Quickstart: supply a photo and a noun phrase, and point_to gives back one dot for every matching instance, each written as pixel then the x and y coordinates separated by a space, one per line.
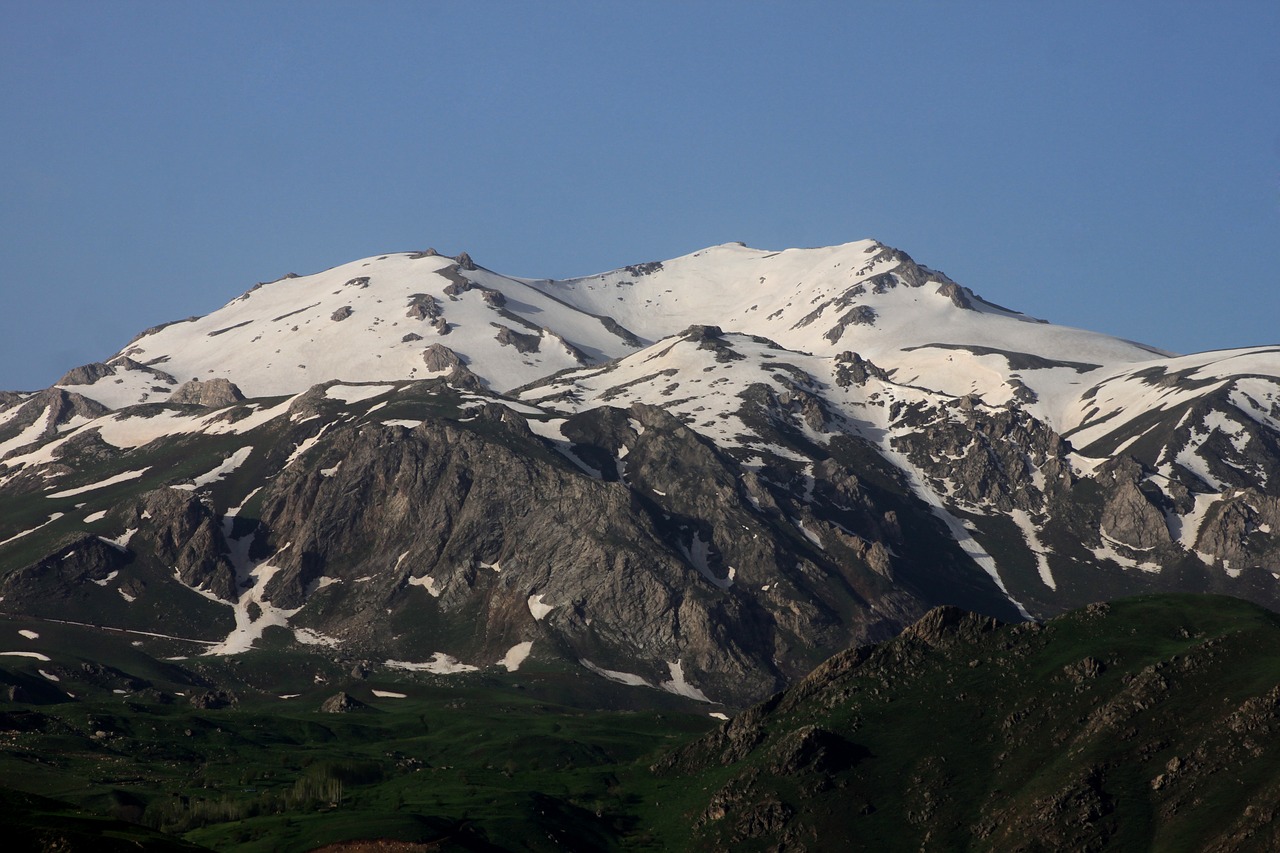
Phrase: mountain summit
pixel 702 475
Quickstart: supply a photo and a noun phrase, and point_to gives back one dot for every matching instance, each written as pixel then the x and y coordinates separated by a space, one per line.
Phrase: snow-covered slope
pixel 375 319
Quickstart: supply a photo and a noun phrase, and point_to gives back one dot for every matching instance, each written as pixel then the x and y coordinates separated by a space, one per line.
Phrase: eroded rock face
pixel 1131 519
pixel 1002 458
pixel 183 533
pixel 1240 531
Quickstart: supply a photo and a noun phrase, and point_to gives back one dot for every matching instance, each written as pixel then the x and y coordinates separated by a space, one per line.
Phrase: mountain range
pixel 703 475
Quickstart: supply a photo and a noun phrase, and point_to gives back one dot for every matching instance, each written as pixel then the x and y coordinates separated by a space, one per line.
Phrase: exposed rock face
pixel 516 543
pixel 1238 531
pixel 341 314
pixel 956 294
pixel 126 363
pixel 859 315
pixel 342 703
pixel 87 374
pixel 1002 458
pixel 853 369
pixel 210 393
pixel 1131 519
pixel 439 357
pixel 423 306
pixel 465 502
pixel 184 534
pixel 465 262
pixel 522 342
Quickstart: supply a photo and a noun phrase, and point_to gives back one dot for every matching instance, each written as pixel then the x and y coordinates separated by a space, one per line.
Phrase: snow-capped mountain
pixel 702 474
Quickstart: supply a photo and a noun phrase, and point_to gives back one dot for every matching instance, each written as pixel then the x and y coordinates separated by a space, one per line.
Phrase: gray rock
pixel 210 393
pixel 342 703
pixel 522 342
pixel 438 357
pixel 87 374
pixel 423 306
pixel 341 314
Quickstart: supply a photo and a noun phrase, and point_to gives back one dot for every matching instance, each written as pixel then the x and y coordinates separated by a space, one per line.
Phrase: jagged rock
pixel 465 262
pixel 341 314
pixel 185 534
pixel 1130 519
pixel 439 357
pixel 956 294
pixel 859 315
pixel 621 331
pixel 126 363
pixel 522 342
pixel 441 327
pixel 948 626
pixel 853 369
pixel 342 703
pixel 360 282
pixel 87 374
pixel 423 306
pixel 210 393
pixel 1240 531
pixel 212 700
pixel 703 333
pixel 648 268
pixel 410 338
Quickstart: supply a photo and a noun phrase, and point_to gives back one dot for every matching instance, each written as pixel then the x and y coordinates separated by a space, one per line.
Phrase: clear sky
pixel 1109 165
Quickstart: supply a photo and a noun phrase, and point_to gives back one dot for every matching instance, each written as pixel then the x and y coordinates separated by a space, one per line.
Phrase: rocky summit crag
pixel 703 475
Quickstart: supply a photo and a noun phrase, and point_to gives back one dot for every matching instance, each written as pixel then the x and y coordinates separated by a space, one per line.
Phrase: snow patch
pixel 122 477
pixel 389 694
pixel 516 655
pixel 1031 534
pixel 537 608
pixel 308 637
pixel 428 583
pixel 679 686
pixel 228 465
pixel 613 675
pixel 32 655
pixel 52 518
pixel 30 635
pixel 356 393
pixel 440 664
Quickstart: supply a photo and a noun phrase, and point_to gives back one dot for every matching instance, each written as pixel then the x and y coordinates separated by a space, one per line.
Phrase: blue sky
pixel 1109 165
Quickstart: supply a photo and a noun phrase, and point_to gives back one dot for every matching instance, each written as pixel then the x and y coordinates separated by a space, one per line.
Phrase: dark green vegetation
pixel 208 751
pixel 1150 723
